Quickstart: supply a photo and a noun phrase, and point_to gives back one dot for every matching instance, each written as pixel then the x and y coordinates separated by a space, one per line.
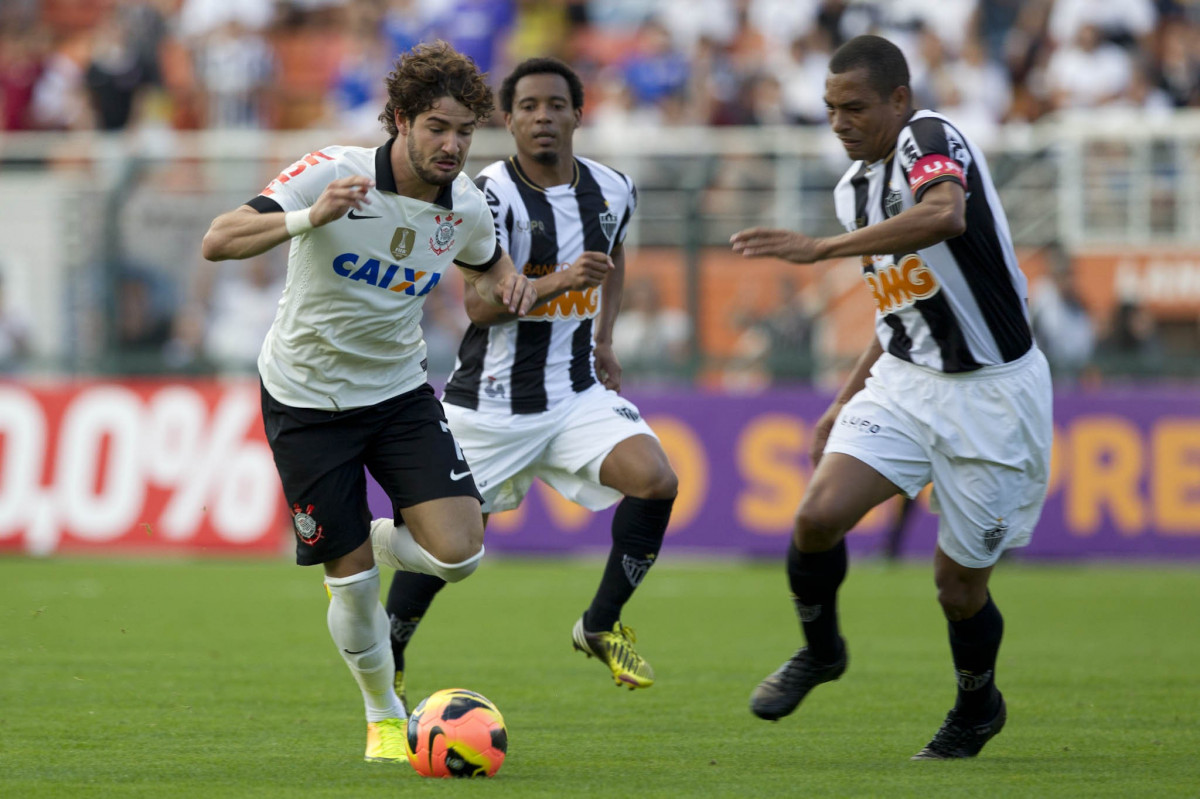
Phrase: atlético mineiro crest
pixel 993 537
pixel 627 412
pixel 306 527
pixel 969 681
pixel 636 568
pixel 806 612
pixel 893 203
pixel 608 224
pixel 403 629
pixel 443 238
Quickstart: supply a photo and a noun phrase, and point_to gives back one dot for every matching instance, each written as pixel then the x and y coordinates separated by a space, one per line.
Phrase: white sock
pixel 359 626
pixel 394 546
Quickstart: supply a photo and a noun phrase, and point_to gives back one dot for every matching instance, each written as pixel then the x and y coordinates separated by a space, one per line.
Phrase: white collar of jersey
pixel 385 179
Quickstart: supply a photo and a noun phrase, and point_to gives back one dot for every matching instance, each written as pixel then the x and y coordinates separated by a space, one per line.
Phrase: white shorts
pixel 564 446
pixel 983 438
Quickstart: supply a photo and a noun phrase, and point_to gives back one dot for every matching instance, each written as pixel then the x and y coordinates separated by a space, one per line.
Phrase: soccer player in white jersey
pixel 371 232
pixel 952 391
pixel 538 397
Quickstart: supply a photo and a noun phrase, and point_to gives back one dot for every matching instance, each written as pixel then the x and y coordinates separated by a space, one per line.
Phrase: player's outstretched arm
pixel 940 214
pixel 761 242
pixel 501 288
pixel 244 232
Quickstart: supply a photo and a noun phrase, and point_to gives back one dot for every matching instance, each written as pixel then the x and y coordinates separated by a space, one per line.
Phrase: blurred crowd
pixel 285 64
pixel 118 65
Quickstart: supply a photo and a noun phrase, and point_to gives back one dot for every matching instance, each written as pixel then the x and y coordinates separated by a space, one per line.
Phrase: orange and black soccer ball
pixel 456 733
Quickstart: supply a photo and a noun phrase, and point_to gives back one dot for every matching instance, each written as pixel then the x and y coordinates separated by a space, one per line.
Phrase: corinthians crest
pixel 305 525
pixel 443 238
pixel 402 242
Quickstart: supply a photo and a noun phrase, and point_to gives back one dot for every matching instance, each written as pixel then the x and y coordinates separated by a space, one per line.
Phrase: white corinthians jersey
pixel 528 365
pixel 960 304
pixel 347 333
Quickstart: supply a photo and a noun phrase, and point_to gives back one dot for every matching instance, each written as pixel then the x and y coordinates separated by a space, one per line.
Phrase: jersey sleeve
pixel 502 214
pixel 299 185
pixel 629 209
pixel 932 151
pixel 482 247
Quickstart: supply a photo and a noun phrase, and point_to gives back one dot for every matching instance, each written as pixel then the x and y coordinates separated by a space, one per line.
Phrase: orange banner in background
pixel 1164 281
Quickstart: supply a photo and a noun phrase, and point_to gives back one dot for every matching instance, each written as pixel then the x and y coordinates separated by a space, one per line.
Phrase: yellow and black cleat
pixel 615 649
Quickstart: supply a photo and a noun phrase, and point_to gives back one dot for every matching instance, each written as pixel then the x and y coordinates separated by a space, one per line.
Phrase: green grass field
pixel 171 678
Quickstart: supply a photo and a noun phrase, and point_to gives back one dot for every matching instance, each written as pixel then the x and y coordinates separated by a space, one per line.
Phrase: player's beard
pixel 546 157
pixel 431 176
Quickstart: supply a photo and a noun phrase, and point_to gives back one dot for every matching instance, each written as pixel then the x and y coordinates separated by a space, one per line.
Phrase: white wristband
pixel 298 222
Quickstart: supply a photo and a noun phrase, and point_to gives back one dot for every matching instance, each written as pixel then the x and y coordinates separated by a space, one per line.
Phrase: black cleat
pixel 780 694
pixel 400 690
pixel 957 739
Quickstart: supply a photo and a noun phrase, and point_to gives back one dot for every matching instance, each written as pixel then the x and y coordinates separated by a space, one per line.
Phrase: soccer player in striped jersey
pixel 538 397
pixel 371 231
pixel 952 390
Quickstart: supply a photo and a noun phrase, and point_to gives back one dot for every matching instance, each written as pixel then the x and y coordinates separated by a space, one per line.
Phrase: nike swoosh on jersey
pixel 459 475
pixel 352 215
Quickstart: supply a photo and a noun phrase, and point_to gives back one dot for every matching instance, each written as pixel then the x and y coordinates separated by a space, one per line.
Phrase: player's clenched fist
pixel 517 293
pixel 589 270
pixel 339 197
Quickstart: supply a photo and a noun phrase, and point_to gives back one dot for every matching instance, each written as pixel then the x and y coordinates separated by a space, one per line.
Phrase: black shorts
pixel 404 442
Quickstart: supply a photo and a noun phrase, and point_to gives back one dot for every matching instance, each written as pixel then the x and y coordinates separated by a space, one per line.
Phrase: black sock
pixel 814 578
pixel 974 643
pixel 408 599
pixel 638 527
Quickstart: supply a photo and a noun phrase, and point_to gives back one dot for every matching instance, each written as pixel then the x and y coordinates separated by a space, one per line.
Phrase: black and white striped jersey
pixel 960 304
pixel 531 364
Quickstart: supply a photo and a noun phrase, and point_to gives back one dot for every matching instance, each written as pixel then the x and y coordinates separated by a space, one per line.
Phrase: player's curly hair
pixel 428 72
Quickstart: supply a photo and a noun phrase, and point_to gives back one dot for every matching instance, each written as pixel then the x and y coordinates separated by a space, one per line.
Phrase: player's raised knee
pixel 663 484
pixel 455 558
pixel 460 568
